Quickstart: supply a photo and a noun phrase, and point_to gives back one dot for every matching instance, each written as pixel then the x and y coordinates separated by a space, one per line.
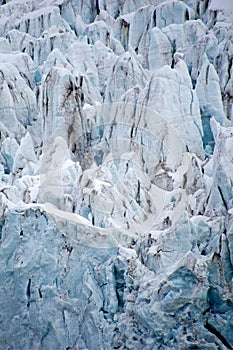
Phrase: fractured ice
pixel 116 173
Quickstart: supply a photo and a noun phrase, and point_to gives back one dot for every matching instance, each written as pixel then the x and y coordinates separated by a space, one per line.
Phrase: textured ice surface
pixel 116 173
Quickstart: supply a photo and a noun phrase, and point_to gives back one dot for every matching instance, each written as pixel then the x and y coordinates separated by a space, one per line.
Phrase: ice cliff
pixel 116 174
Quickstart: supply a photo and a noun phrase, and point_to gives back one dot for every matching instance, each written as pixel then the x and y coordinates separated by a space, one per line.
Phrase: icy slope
pixel 116 173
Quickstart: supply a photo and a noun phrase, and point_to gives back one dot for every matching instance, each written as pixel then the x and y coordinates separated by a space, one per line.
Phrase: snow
pixel 220 5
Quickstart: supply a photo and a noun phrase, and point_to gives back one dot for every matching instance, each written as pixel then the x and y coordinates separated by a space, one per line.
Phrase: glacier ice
pixel 116 209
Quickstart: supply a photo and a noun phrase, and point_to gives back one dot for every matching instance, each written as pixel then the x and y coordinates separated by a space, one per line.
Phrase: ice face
pixel 116 208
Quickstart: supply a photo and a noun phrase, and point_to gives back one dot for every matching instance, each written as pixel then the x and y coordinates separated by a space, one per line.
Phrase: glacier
pixel 116 174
